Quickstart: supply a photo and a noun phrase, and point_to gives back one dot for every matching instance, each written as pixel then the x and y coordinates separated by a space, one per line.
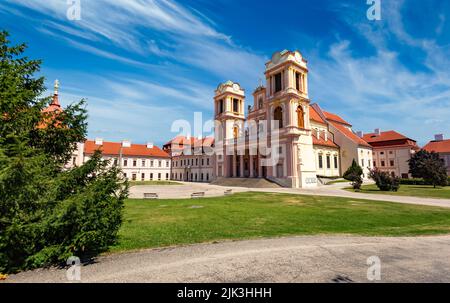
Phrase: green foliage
pixel 429 167
pixel 353 174
pixel 48 213
pixel 384 181
pixel 413 181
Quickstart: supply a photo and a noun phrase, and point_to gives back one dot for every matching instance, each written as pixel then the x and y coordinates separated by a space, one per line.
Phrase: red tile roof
pixel 349 134
pixel 321 141
pixel 113 148
pixel 182 140
pixel 438 146
pixel 313 115
pixel 335 118
pixel 384 136
pixel 390 139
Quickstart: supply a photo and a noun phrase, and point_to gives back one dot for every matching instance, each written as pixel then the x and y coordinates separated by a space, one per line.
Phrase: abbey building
pixel 309 142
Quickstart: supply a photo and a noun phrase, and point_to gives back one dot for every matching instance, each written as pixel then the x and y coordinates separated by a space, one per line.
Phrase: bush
pixel 384 181
pixel 353 174
pixel 413 181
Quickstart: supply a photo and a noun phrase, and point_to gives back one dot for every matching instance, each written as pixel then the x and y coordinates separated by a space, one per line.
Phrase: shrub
pixel 353 174
pixel 413 181
pixel 384 181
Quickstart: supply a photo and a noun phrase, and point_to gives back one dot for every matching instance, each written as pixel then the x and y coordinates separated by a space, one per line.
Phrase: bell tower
pixel 229 114
pixel 288 106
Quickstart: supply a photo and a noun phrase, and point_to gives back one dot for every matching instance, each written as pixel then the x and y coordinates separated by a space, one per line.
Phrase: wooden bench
pixel 151 196
pixel 228 192
pixel 200 194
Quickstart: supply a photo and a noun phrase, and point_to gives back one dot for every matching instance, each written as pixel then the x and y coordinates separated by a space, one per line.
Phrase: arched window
pixel 278 116
pixel 260 103
pixel 235 132
pixel 300 117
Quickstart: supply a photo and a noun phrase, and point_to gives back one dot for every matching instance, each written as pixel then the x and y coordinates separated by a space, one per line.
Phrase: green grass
pixel 134 183
pixel 424 191
pixel 158 223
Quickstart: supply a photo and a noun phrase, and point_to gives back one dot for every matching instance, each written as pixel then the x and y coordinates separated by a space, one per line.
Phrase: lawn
pixel 134 183
pixel 424 191
pixel 158 223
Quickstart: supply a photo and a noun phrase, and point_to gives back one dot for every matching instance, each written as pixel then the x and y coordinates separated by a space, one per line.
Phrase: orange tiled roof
pixel 384 136
pixel 182 141
pixel 321 141
pixel 438 146
pixel 349 134
pixel 335 118
pixel 313 115
pixel 113 148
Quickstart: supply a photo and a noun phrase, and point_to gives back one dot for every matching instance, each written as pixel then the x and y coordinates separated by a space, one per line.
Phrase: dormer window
pixel 278 82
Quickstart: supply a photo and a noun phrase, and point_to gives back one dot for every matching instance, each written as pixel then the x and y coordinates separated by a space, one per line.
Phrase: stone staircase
pixel 245 182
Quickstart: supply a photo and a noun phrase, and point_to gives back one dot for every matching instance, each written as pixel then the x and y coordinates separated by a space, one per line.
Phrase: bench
pixel 228 192
pixel 200 194
pixel 151 196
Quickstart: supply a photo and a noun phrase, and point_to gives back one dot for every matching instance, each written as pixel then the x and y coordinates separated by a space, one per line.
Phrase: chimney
pixel 360 134
pixel 149 145
pixel 98 141
pixel 126 143
pixel 377 132
pixel 439 137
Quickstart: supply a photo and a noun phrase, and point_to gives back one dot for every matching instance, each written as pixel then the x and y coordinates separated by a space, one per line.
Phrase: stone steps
pixel 245 182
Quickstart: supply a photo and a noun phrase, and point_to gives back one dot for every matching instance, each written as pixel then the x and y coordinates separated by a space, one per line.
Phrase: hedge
pixel 417 181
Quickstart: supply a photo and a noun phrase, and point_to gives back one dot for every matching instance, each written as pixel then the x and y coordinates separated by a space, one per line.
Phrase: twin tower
pixel 283 149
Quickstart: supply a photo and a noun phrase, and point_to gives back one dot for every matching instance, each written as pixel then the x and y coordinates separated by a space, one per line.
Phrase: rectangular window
pixel 167 164
pixel 203 162
pixel 159 163
pixel 125 175
pixel 362 162
pixel 335 162
pixel 201 177
pixel 74 161
pixel 196 161
pixel 151 163
pixel 235 105
pixel 167 176
pixel 115 161
pixel 151 176
pixel 207 177
pixel 159 176
pixel 134 163
pixel 143 176
pixel 143 163
pixel 320 161
pixel 207 161
pixel 278 82
pixel 133 177
pixel 382 164
pixel 328 162
pixel 125 162
pixel 374 164
pixel 392 162
pixel 220 106
pixel 298 80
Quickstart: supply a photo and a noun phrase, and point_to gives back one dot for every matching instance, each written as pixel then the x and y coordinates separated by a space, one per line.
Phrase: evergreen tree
pixel 429 166
pixel 354 173
pixel 47 213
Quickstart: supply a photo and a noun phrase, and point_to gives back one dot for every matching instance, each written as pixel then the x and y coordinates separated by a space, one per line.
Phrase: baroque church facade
pixel 284 137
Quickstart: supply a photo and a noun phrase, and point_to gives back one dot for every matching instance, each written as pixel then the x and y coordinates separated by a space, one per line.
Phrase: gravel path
pixel 291 259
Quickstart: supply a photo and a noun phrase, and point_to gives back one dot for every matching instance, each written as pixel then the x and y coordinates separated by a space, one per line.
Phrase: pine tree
pixel 48 213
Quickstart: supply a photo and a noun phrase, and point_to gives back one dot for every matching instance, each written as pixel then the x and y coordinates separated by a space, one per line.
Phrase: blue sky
pixel 144 63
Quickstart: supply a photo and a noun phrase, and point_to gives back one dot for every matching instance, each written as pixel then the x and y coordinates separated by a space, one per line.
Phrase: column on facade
pixel 251 167
pixel 241 168
pixel 259 164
